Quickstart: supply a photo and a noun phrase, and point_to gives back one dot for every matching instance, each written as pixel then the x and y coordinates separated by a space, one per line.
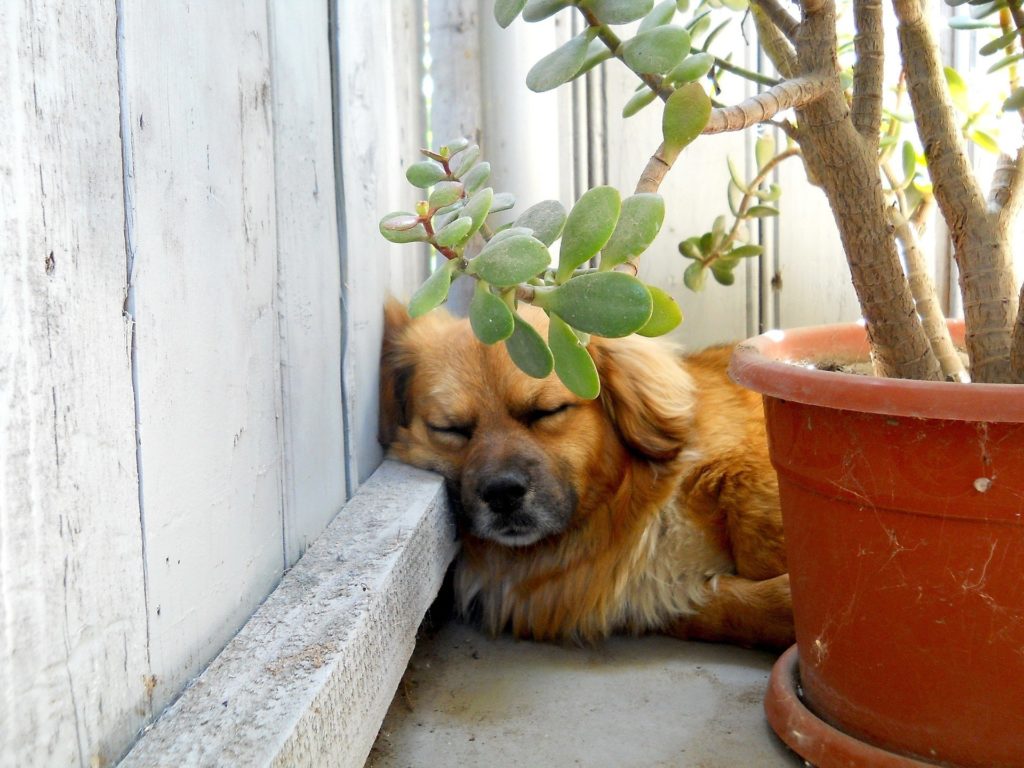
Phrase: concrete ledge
pixel 308 679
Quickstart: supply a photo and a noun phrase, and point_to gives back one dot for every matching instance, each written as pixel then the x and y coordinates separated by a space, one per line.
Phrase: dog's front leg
pixel 741 611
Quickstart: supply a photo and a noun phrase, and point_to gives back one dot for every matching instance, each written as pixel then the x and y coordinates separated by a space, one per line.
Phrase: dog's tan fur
pixel 675 526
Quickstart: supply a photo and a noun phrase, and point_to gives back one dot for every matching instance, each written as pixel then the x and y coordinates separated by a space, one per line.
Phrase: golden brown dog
pixel 653 508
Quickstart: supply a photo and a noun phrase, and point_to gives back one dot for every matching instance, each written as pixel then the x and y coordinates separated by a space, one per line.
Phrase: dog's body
pixel 653 508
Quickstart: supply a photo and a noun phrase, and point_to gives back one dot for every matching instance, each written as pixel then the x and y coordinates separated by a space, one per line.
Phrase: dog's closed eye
pixel 535 415
pixel 453 431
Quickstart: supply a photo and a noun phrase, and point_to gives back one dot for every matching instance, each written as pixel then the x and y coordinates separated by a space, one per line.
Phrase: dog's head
pixel 519 453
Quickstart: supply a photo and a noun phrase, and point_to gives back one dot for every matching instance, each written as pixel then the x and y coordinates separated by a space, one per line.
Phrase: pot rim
pixel 770 364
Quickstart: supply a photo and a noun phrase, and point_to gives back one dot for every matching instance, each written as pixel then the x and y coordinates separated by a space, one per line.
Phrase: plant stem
pixel 614 44
pixel 763 106
pixel 756 77
pixel 749 196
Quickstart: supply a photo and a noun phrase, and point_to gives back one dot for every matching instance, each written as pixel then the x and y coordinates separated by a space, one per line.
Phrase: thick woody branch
pixel 779 16
pixel 921 286
pixel 811 7
pixel 956 189
pixel 773 42
pixel 790 94
pixel 1004 197
pixel 868 74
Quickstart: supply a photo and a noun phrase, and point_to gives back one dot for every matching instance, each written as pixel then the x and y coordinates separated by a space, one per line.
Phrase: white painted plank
pixel 309 270
pixel 200 117
pixel 694 192
pixel 812 270
pixel 526 155
pixel 309 678
pixel 378 44
pixel 72 614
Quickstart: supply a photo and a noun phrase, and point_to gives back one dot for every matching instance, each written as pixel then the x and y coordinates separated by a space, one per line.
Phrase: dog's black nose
pixel 504 491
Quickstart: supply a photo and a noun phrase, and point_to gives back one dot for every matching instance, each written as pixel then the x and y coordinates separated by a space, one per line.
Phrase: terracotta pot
pixel 903 507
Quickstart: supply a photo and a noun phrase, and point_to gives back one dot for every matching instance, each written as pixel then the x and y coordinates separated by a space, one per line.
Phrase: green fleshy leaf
pixel 638 101
pixel 561 65
pixel 425 173
pixel 692 68
pixel 609 304
pixel 998 44
pixel 502 202
pixel 467 160
pixel 400 221
pixel 639 222
pixel 734 174
pixel 415 234
pixel 984 140
pixel 745 251
pixel 722 269
pixel 690 248
pixel 764 150
pixel 967 23
pixel 761 211
pixel 597 52
pixel 538 10
pixel 477 177
pixel 695 276
pixel 478 206
pixel 1015 100
pixel 957 89
pixel 452 148
pixel 1005 62
pixel 591 222
pixel 661 14
pixel 686 113
pixel 656 51
pixel 513 231
pixel 573 363
pixel 736 5
pixel 699 24
pixel 454 233
pixel 546 219
pixel 665 313
pixel 434 290
pixel 506 11
pixel 510 261
pixel 444 193
pixel 528 350
pixel 770 195
pixel 620 11
pixel 909 157
pixel 718 231
pixel 489 316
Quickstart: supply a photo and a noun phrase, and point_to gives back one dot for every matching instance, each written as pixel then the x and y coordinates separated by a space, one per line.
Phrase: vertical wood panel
pixel 309 270
pixel 72 615
pixel 378 44
pixel 815 280
pixel 197 87
pixel 527 156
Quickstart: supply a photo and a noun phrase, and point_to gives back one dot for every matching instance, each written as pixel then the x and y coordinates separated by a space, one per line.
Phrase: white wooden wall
pixel 187 300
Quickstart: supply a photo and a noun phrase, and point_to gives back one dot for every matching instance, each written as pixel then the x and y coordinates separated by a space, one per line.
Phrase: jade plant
pixel 837 114
pixel 592 290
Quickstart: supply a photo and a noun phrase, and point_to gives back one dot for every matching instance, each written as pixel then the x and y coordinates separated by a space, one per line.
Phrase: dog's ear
pixel 647 394
pixel 396 369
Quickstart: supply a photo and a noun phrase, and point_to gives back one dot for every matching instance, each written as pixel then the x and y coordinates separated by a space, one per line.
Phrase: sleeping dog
pixel 651 509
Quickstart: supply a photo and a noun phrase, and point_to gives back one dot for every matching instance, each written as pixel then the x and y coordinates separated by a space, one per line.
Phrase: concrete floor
pixel 468 700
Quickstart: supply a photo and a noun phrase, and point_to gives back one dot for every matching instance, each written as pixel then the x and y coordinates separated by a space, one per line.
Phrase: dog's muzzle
pixel 515 504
